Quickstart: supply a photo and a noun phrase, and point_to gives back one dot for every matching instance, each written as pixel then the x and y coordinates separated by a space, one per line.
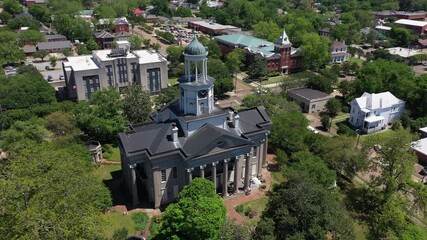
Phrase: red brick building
pixel 280 56
pixel 122 25
pixel 418 27
pixel 421 15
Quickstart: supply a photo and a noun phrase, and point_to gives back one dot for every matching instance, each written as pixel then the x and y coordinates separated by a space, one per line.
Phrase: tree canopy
pixel 136 104
pixel 198 214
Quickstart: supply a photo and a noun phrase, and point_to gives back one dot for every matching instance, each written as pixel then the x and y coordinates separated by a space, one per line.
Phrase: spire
pixel 283 39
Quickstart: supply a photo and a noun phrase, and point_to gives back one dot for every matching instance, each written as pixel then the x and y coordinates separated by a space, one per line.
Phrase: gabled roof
pixel 377 100
pixel 137 11
pixel 283 39
pixel 54 36
pixel 411 22
pixel 121 20
pixel 209 137
pixel 29 49
pixel 309 93
pixel 103 34
pixel 53 45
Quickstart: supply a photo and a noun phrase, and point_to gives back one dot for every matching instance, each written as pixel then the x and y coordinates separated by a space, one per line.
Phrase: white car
pixel 312 129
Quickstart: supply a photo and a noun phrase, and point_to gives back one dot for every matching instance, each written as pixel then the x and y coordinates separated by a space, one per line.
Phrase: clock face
pixel 203 93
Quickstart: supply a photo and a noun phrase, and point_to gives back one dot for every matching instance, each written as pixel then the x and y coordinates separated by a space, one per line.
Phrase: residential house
pixel 104 39
pixel 29 50
pixel 31 2
pixel 325 32
pixel 55 38
pixel 191 137
pixel 310 100
pixel 339 52
pixel 115 68
pixel 54 47
pixel 122 25
pixel 280 56
pixel 420 146
pixel 373 112
pixel 138 12
pixel 85 14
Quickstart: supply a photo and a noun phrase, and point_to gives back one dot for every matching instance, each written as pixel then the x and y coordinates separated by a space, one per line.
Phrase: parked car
pixel 49 78
pixel 48 68
pixel 61 77
pixel 312 129
pixel 423 171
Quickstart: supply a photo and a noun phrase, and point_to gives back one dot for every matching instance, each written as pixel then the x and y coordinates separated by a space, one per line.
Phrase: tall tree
pixel 198 214
pixel 315 51
pixel 333 106
pixel 266 30
pixel 258 68
pixel 136 104
pixel 234 60
pixel 12 6
pixel 31 37
pixel 41 54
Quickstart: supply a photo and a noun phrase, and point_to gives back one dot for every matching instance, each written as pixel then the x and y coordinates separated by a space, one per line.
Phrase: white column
pixel 214 174
pixel 202 171
pixel 225 181
pixel 190 175
pixel 248 170
pixel 135 199
pixel 236 174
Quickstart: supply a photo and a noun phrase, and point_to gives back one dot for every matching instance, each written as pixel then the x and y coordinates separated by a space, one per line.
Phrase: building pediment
pixel 212 140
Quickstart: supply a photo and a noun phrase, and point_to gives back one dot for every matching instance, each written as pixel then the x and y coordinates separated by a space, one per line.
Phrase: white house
pixel 372 112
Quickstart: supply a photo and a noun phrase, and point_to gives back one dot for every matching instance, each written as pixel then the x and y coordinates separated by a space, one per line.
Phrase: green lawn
pixel 271 80
pixel 357 60
pixel 173 81
pixel 154 229
pixel 360 230
pixel 116 221
pixel 257 206
pixel 115 156
pixel 104 171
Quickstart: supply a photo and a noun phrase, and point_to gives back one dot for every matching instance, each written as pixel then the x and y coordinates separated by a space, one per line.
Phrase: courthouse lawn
pixel 256 205
pixel 116 221
pixel 104 171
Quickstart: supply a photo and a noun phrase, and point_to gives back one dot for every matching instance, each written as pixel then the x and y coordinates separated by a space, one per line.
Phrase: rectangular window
pixel 255 152
pixel 154 79
pixel 175 172
pixel 91 85
pixel 109 70
pixel 163 172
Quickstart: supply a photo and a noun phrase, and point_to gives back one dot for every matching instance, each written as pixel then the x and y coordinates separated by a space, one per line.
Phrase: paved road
pixel 235 98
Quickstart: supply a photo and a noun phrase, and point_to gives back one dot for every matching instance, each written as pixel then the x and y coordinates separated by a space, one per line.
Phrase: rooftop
pixel 403 52
pixel 103 55
pixel 420 146
pixel 54 36
pixel 309 93
pixel 411 22
pixel 53 45
pixel 146 56
pixel 423 129
pixel 252 43
pixel 389 12
pixel 212 25
pixel 79 63
pixel 377 100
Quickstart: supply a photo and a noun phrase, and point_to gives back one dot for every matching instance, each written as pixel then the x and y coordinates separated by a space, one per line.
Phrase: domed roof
pixel 195 47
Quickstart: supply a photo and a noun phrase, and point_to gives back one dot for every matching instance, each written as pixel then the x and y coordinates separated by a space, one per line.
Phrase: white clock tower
pixel 196 87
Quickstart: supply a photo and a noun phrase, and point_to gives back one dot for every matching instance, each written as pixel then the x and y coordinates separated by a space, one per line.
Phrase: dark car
pixel 49 78
pixel 423 171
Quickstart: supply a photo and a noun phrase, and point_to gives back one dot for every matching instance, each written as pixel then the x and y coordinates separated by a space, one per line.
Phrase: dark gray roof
pixel 54 36
pixel 103 34
pixel 29 49
pixel 309 93
pixel 53 45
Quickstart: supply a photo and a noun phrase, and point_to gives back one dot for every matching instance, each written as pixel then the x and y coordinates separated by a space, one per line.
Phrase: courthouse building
pixel 192 137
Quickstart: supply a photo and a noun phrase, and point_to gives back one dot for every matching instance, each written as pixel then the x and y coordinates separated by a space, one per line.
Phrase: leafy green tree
pixel 326 121
pixel 12 6
pixel 315 51
pixel 41 54
pixel 61 124
pixel 101 117
pixel 82 49
pixel 5 17
pixel 10 52
pixel 25 91
pixel 232 231
pixel 266 30
pixel 120 234
pixel 264 229
pixel 66 52
pixel 53 60
pixel 321 83
pixel 211 46
pixel 49 192
pixel 91 45
pixel 40 12
pixel 72 28
pixel 23 21
pixel 183 12
pixel 175 55
pixel 198 214
pixel 402 36
pixel 289 131
pixel 29 69
pixel 258 68
pixel 31 37
pixel 105 11
pixel 156 46
pixel 315 216
pixel 341 154
pixel 333 106
pixel 234 60
pixel 135 42
pixel 272 102
pixel 136 104
pixel 223 80
pixel 166 96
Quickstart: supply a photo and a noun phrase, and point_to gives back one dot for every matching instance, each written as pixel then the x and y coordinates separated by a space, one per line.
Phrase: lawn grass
pixel 115 156
pixel 272 80
pixel 277 177
pixel 173 81
pixel 104 171
pixel 154 229
pixel 258 207
pixel 116 221
pixel 360 230
pixel 357 60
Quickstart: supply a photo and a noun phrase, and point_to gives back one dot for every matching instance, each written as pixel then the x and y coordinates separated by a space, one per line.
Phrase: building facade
pixel 310 100
pixel 373 112
pixel 280 56
pixel 418 27
pixel 114 68
pixel 339 52
pixel 192 137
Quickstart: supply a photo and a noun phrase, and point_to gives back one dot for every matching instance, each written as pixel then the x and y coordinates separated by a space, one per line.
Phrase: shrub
pixel 252 214
pixel 240 208
pixel 325 120
pixel 140 220
pixel 397 125
pixel 344 129
pixel 248 211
